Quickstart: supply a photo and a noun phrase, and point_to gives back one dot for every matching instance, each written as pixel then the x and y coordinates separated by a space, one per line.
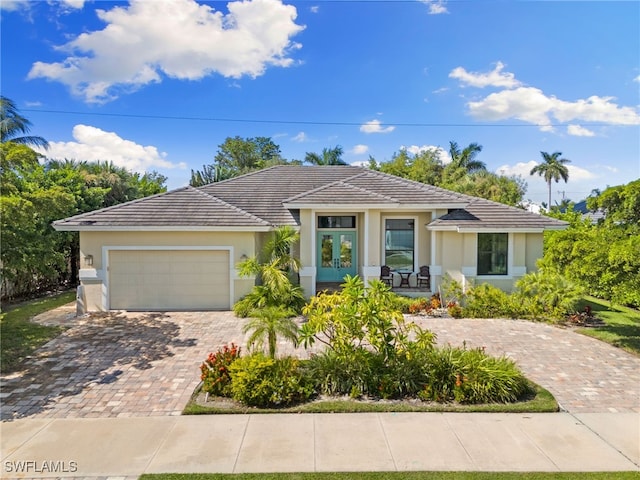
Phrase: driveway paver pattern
pixel 126 364
pixel 584 374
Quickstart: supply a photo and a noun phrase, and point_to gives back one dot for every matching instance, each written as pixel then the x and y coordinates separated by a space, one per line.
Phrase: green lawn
pixel 622 325
pixel 19 337
pixel 400 475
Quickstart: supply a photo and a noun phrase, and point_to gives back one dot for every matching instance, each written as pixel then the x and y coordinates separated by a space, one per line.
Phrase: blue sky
pixel 158 85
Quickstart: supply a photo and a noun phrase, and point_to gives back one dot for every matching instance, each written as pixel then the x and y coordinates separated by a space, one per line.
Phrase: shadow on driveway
pixel 78 364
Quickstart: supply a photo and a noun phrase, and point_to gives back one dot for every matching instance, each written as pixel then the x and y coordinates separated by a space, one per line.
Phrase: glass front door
pixel 336 255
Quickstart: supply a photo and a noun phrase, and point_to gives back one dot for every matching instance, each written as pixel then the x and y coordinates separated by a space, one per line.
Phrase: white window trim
pixel 510 267
pixel 416 252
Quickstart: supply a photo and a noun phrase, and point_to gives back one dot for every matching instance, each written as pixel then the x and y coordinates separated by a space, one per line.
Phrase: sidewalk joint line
pixel 244 433
pixel 386 441
pixel 602 438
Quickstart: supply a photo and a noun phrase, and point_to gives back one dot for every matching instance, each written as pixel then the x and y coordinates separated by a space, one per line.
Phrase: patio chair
pixel 424 277
pixel 386 276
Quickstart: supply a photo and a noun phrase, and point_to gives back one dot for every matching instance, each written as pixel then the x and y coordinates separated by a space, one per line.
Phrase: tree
pixel 552 168
pixel 604 258
pixel 329 156
pixel 34 194
pixel 13 124
pixel 424 167
pixel 237 156
pixel 267 324
pixel 485 184
pixel 272 268
pixel 466 158
pixel 620 204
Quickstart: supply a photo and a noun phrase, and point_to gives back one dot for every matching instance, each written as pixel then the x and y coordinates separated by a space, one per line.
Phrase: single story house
pixel 178 250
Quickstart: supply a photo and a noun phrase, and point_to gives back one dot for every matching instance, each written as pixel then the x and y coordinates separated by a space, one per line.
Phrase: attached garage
pixel 169 279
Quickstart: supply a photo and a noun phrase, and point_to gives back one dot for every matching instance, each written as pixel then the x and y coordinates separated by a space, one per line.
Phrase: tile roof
pixel 184 207
pixel 481 214
pixel 274 195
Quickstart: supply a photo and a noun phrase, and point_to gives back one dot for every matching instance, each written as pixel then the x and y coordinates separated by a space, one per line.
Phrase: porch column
pixel 370 269
pixel 435 269
pixel 308 270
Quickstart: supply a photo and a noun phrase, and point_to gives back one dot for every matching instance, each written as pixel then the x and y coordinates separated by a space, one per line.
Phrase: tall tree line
pixel 35 191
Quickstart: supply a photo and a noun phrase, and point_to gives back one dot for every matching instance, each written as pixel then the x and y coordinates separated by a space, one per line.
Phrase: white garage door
pixel 161 280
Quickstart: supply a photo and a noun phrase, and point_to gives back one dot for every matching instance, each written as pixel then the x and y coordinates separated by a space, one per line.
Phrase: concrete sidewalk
pixel 128 447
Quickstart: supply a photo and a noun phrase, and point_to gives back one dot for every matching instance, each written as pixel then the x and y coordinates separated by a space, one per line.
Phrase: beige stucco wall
pixel 457 255
pixel 92 243
pixel 534 245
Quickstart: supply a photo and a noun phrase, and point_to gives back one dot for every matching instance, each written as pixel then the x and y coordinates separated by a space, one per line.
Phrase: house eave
pixel 462 229
pixel 376 206
pixel 130 228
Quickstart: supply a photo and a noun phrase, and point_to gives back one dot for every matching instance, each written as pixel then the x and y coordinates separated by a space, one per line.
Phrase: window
pixel 347 221
pixel 399 244
pixel 492 253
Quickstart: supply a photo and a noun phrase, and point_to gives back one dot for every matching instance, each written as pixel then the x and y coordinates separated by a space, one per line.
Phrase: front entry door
pixel 336 255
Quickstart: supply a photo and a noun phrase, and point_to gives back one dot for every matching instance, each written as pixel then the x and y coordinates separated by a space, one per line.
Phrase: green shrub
pixel 471 376
pixel 455 310
pixel 261 381
pixel 351 373
pixel 547 295
pixel 487 301
pixel 215 371
pixel 485 379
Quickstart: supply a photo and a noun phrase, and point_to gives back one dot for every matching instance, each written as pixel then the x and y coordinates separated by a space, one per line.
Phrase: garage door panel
pixel 169 280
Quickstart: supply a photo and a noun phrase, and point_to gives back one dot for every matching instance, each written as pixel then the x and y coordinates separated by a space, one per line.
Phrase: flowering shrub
pixel 455 310
pixel 435 301
pixel 215 371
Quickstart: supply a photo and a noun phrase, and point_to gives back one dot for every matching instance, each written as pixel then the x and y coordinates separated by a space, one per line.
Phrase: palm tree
pixel 466 158
pixel 13 124
pixel 268 324
pixel 553 168
pixel 272 268
pixel 330 156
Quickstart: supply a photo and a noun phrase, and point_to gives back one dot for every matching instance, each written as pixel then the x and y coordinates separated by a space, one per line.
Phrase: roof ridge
pixel 370 192
pixel 226 204
pixel 420 185
pixel 321 187
pixel 120 205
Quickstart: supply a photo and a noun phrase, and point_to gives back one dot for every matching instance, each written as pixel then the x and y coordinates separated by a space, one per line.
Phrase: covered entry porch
pixel 336 244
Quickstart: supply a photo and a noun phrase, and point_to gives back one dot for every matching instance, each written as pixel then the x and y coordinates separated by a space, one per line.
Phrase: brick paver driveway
pixel 143 364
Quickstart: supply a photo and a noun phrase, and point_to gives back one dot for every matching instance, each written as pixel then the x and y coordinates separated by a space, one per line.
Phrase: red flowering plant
pixel 215 377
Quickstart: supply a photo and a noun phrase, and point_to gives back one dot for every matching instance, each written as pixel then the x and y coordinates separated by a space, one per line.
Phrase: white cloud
pixel 531 105
pixel 520 168
pixel 78 4
pixel 93 144
pixel 578 174
pixel 579 131
pixel 637 79
pixel 440 152
pixel 300 137
pixel 375 126
pixel 315 9
pixel 495 78
pixel 178 38
pixel 13 5
pixel 523 169
pixel 359 149
pixel 436 7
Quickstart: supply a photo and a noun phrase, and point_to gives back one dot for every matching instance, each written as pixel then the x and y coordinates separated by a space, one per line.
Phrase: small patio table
pixel 404 277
